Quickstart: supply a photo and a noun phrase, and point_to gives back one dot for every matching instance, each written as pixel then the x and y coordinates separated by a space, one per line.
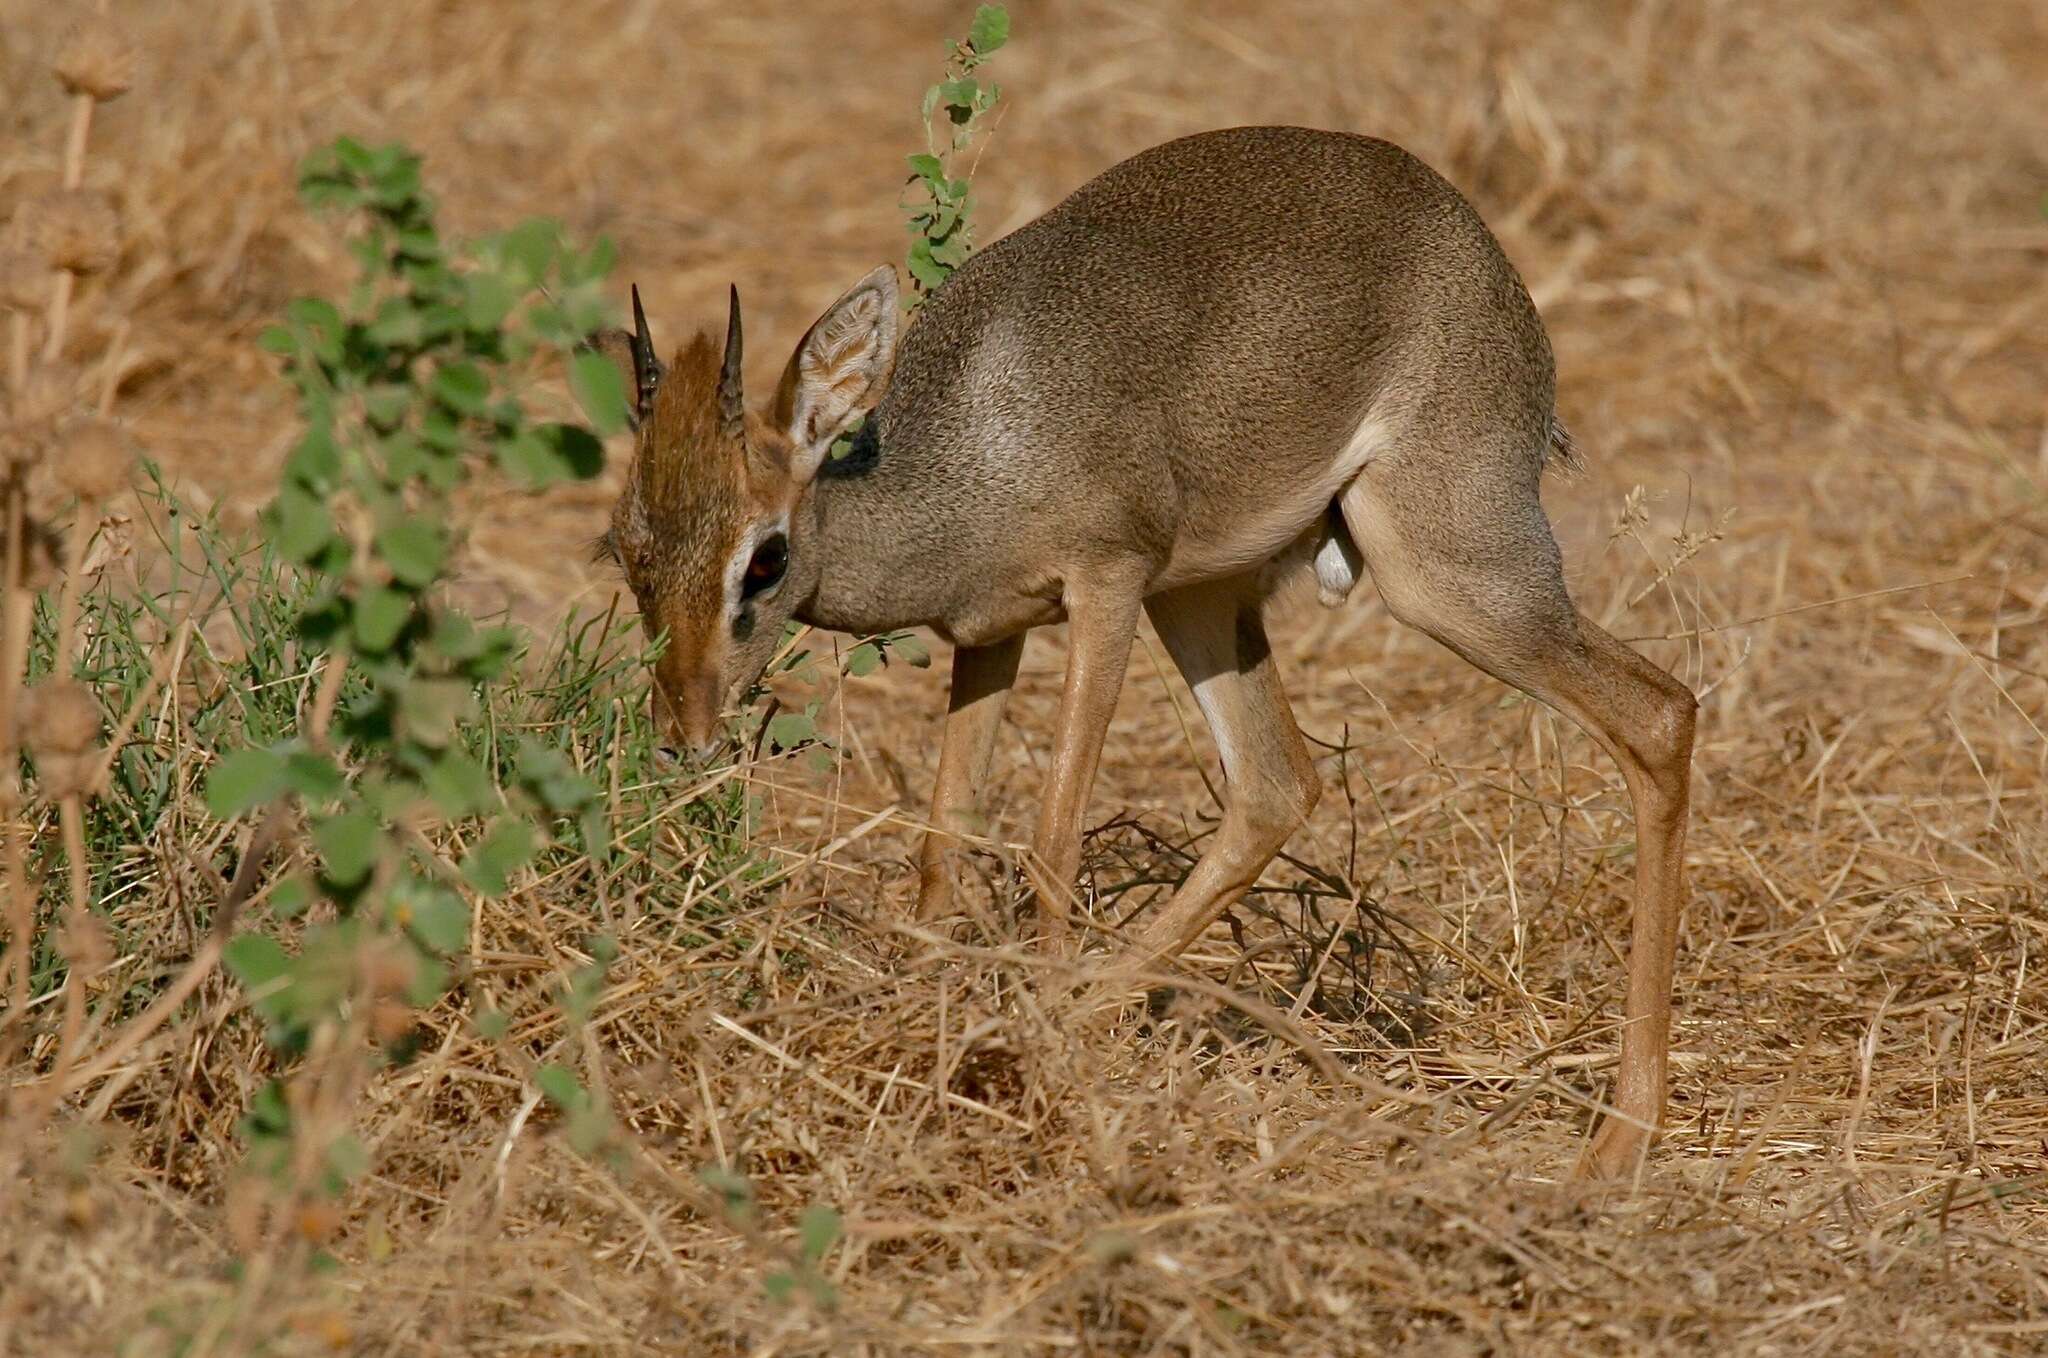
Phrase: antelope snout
pixel 686 716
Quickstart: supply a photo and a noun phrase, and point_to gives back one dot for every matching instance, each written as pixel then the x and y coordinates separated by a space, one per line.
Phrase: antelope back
pixel 1186 361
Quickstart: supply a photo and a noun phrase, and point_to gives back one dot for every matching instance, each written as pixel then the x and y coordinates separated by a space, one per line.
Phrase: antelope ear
pixel 838 371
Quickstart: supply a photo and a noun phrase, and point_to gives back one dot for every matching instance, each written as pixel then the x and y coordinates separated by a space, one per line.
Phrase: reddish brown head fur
pixel 716 497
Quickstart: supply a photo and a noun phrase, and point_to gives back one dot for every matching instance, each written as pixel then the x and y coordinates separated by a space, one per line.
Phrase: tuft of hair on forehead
pixel 681 451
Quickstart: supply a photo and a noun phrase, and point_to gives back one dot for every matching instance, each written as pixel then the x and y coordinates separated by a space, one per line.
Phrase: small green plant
pixel 936 205
pixel 936 201
pixel 411 810
pixel 403 396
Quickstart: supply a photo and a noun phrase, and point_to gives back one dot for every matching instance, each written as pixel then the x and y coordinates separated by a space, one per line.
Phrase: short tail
pixel 1563 451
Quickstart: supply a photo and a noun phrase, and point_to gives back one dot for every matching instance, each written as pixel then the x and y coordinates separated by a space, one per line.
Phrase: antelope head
pixel 714 528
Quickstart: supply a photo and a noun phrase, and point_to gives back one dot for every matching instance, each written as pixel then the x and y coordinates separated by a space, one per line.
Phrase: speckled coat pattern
pixel 1188 340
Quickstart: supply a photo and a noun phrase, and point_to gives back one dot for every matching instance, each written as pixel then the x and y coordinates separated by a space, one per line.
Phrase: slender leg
pixel 1645 719
pixel 982 676
pixel 1491 588
pixel 1102 618
pixel 1216 637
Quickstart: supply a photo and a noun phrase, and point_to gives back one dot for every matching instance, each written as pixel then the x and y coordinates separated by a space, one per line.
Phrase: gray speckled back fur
pixel 1179 351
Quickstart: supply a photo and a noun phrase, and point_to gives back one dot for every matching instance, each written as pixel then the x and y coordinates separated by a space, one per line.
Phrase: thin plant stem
pixel 74 142
pixel 67 607
pixel 17 352
pixel 71 818
pixel 14 885
pixel 59 314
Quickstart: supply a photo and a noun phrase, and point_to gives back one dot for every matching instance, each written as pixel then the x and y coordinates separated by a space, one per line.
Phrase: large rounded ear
pixel 838 371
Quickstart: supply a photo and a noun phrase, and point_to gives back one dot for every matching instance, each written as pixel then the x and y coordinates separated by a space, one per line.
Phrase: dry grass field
pixel 1794 261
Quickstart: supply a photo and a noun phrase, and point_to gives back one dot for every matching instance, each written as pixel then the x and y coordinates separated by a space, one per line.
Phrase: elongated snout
pixel 686 709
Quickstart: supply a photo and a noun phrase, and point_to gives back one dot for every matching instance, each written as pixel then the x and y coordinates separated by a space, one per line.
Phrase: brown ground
pixel 1793 264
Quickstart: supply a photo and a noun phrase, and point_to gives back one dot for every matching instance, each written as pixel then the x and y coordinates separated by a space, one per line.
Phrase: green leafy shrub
pixel 956 111
pixel 406 394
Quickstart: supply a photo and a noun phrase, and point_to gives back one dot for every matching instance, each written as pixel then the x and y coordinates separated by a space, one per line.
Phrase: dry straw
pixel 1790 257
pixel 64 235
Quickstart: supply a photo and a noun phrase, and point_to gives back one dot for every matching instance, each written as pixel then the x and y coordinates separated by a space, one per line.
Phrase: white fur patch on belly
pixel 1263 527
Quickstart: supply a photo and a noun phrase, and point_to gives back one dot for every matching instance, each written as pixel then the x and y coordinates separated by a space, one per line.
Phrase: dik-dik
pixel 1237 358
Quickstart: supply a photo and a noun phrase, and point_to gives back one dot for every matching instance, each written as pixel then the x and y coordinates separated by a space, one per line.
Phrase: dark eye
pixel 765 571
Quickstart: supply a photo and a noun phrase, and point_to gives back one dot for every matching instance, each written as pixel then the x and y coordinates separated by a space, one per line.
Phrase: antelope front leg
pixel 1103 617
pixel 982 676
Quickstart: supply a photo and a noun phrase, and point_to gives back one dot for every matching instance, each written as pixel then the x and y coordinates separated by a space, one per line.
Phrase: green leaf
pixel 600 390
pixel 322 323
pixel 463 388
pixel 928 167
pixel 591 266
pixel 269 1113
pixel 991 29
pixel 277 340
pixel 290 898
pixel 441 430
pixel 243 780
pixel 313 776
pixel 432 708
pixel 459 785
pixel 530 248
pixel 324 192
pixel 255 960
pixel 439 919
pixel 574 448
pixel 300 524
pixel 397 323
pixel 959 94
pixel 348 846
pixel 352 155
pixel 547 773
pixel 791 729
pixel 378 617
pixel 347 1161
pixel 414 547
pixel 923 267
pixel 527 459
pixel 429 979
pixel 912 650
pixel 488 300
pixel 561 1087
pixel 505 848
pixel 315 461
pixel 399 181
pixel 594 830
pixel 386 404
pixel 406 457
pixel 440 321
pixel 863 659
pixel 818 1231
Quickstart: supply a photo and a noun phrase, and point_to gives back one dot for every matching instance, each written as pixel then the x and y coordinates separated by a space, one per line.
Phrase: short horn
pixel 646 370
pixel 731 408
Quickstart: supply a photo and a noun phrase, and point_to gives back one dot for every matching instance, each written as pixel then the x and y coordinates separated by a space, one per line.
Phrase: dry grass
pixel 1793 266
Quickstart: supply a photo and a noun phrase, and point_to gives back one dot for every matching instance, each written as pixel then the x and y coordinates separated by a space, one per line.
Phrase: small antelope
pixel 1238 359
